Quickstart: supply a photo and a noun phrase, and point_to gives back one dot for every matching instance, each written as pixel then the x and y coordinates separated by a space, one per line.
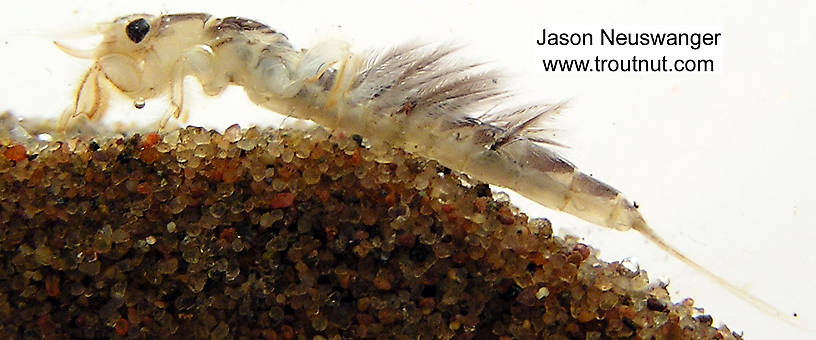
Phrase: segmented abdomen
pixel 419 100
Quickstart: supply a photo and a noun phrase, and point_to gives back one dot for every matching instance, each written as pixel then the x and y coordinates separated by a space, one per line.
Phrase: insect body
pixel 408 97
pixel 411 97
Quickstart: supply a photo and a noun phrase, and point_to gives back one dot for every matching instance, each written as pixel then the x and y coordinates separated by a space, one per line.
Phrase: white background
pixel 721 164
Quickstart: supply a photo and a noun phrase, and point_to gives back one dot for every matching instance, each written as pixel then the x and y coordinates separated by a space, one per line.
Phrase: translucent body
pixel 411 97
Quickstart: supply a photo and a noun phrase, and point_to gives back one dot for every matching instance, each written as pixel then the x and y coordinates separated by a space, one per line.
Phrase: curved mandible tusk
pixel 79 53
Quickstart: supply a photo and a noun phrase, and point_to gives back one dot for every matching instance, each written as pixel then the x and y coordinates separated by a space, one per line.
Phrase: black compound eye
pixel 137 30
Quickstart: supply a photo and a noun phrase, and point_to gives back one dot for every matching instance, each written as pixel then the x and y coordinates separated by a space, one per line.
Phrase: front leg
pixel 200 63
pixel 89 99
pixel 118 72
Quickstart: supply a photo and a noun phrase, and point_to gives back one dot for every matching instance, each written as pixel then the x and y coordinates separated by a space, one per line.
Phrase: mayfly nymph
pixel 408 97
pixel 411 97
